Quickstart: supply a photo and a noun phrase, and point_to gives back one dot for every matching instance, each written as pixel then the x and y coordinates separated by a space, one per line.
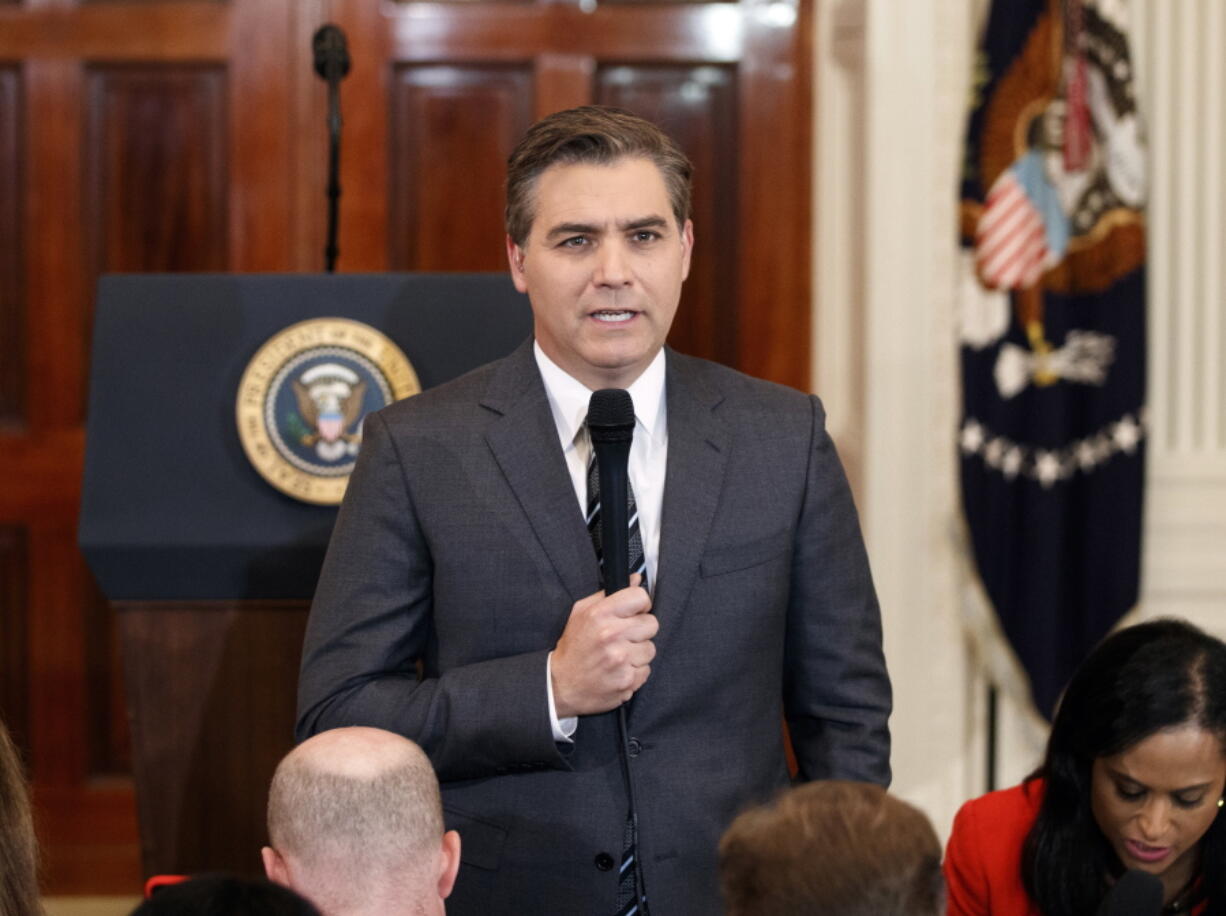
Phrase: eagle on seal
pixel 330 400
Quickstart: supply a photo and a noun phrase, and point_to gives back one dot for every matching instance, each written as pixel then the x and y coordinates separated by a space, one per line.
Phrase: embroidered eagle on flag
pixel 1052 328
pixel 1061 156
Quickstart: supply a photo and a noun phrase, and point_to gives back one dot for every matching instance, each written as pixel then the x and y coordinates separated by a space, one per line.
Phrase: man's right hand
pixel 605 652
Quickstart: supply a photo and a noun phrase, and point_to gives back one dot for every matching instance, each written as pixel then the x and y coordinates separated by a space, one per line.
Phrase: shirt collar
pixel 568 397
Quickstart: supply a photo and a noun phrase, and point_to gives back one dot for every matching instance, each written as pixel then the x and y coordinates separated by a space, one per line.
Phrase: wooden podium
pixel 210 568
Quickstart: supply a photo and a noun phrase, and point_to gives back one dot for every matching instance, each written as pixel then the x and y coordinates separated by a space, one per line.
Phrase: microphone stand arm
pixel 334 161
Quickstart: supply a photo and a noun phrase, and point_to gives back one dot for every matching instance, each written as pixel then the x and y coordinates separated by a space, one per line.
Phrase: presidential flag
pixel 1052 436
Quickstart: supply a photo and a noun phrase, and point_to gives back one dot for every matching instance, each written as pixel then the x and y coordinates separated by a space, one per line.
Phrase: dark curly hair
pixel 1140 680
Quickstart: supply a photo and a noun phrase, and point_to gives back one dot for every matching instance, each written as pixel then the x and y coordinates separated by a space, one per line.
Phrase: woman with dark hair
pixel 1133 778
pixel 18 848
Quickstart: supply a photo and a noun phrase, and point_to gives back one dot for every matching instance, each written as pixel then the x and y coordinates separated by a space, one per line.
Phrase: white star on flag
pixel 972 437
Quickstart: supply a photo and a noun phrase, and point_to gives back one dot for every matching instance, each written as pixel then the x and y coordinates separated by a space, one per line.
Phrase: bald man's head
pixel 357 810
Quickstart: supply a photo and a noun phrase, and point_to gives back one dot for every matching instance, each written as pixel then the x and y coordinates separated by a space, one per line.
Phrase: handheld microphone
pixel 1137 893
pixel 331 52
pixel 610 423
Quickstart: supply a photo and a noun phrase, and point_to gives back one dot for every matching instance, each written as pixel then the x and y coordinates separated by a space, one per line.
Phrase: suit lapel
pixel 697 453
pixel 524 441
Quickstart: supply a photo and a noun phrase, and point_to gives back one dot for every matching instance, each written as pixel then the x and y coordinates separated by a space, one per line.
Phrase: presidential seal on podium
pixel 303 397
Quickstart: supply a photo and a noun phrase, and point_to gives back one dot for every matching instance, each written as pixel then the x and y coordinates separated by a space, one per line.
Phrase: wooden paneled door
pixel 187 135
pixel 439 93
pixel 134 136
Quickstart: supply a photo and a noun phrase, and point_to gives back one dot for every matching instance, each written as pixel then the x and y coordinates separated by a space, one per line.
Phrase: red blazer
pixel 983 861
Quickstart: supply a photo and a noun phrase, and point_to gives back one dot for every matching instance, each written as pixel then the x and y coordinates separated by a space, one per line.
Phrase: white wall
pixel 1178 46
pixel 892 80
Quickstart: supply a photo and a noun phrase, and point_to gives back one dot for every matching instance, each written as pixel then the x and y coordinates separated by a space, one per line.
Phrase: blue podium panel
pixel 171 507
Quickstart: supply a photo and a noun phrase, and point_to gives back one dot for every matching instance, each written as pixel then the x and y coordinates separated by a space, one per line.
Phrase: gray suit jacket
pixel 454 563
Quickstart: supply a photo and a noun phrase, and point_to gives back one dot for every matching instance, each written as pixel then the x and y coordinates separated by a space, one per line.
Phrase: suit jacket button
pixel 634 747
pixel 604 861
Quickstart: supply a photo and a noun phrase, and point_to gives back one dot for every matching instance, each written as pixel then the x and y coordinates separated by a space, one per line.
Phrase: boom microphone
pixel 331 52
pixel 332 63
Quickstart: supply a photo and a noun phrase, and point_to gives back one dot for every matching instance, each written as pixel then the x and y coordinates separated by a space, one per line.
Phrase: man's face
pixel 603 267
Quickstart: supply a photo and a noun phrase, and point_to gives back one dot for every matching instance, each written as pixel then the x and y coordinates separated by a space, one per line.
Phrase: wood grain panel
pixel 563 81
pixel 12 321
pixel 191 30
pixel 307 137
pixel 58 694
pixel 88 837
pixel 85 810
pixel 106 713
pixel 264 164
pixel 156 168
pixel 57 285
pixel 773 317
pixel 444 218
pixel 40 476
pixel 697 107
pixel 406 2
pixel 14 648
pixel 212 688
pixel 693 32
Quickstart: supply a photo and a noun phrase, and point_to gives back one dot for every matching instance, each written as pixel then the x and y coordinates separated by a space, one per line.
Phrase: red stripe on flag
pixel 1010 239
pixel 1022 242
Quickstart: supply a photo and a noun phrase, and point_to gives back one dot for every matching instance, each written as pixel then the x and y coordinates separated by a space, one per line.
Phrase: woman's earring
pixel 1221 801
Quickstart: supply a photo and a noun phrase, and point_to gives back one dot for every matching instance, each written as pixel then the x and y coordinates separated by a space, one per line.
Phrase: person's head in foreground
pixel 599 237
pixel 224 895
pixel 18 847
pixel 832 847
pixel 1134 773
pixel 355 823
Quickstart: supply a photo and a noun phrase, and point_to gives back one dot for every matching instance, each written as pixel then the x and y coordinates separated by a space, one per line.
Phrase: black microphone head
pixel 1137 893
pixel 331 51
pixel 610 415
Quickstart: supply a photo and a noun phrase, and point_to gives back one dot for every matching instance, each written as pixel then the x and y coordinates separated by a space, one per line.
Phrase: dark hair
pixel 18 847
pixel 225 895
pixel 832 847
pixel 596 135
pixel 1139 681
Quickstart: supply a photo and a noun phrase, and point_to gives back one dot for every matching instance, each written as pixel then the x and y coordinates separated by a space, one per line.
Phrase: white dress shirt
pixel 568 402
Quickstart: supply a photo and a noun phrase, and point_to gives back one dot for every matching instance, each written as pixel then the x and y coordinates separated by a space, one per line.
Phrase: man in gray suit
pixel 460 601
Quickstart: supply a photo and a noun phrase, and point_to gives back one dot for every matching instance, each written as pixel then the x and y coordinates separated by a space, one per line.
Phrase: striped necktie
pixel 637 558
pixel 626 904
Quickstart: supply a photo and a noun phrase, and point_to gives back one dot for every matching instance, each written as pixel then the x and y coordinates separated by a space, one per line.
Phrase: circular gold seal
pixel 303 397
